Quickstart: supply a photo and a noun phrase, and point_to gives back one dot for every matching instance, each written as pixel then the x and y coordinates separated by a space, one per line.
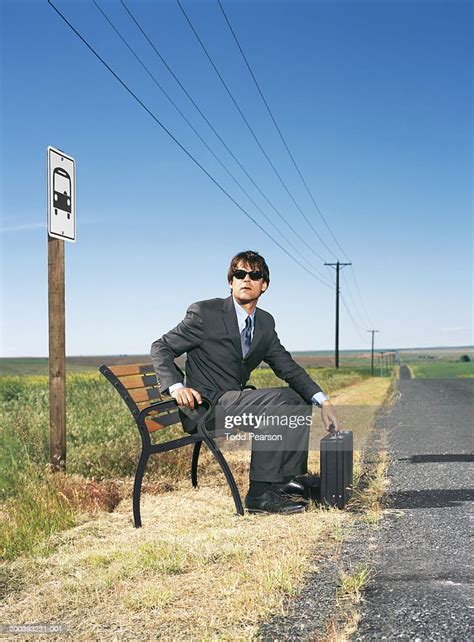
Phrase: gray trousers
pixel 280 441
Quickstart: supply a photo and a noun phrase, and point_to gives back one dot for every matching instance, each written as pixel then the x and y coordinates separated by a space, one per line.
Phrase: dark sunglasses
pixel 255 275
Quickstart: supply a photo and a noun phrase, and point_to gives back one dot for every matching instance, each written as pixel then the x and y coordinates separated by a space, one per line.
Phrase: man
pixel 225 339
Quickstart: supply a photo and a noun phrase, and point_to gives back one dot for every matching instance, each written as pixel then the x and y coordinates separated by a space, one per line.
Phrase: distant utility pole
pixel 372 358
pixel 381 363
pixel 338 266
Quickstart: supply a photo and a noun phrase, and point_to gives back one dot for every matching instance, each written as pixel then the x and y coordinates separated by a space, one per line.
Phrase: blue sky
pixel 375 101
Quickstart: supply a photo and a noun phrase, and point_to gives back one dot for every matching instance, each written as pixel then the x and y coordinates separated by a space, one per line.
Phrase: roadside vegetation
pixel 195 570
pixel 69 549
pixel 447 363
pixel 442 369
pixel 103 445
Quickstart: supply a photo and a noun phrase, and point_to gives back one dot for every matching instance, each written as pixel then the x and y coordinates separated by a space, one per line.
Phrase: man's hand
pixel 186 396
pixel 329 415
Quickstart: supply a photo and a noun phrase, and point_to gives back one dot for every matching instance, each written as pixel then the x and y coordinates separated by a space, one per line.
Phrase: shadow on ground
pixel 421 459
pixel 436 498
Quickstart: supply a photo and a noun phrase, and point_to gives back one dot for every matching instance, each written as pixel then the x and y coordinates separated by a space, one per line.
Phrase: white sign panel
pixel 61 195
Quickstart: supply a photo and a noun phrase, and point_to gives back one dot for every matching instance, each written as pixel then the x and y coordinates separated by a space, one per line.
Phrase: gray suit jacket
pixel 209 334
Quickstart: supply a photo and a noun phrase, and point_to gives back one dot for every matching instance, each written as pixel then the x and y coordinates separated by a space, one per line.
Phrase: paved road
pixel 423 587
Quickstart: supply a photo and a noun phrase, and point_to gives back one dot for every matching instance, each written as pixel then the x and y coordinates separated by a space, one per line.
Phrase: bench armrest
pixel 171 404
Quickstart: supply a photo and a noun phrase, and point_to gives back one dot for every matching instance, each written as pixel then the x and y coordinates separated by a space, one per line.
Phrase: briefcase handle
pixel 333 431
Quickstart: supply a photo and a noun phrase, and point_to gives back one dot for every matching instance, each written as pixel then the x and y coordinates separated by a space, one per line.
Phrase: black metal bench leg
pixel 227 472
pixel 194 463
pixel 137 488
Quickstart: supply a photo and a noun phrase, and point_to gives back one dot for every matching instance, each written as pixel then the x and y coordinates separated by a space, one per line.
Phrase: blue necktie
pixel 246 336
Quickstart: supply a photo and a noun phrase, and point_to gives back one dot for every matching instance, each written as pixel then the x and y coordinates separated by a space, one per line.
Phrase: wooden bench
pixel 137 385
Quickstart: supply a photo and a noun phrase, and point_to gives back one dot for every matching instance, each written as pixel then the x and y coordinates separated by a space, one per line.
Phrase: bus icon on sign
pixel 61 195
pixel 62 191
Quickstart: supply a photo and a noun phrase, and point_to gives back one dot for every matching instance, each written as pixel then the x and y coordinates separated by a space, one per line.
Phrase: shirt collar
pixel 242 315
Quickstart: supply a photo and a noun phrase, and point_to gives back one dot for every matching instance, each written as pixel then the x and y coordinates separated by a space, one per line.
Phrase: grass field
pixel 196 570
pixel 102 444
pixel 442 370
pixel 360 359
pixel 69 548
pixel 440 364
pixel 39 366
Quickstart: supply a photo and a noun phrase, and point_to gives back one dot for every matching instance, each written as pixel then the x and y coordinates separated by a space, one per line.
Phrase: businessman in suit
pixel 224 340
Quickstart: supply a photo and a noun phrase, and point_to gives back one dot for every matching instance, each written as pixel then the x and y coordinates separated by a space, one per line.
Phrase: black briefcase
pixel 336 456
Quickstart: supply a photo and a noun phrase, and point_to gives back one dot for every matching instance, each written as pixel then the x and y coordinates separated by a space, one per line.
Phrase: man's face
pixel 246 290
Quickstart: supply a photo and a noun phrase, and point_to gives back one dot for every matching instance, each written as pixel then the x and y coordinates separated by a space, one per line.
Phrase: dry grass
pixel 196 571
pixel 351 584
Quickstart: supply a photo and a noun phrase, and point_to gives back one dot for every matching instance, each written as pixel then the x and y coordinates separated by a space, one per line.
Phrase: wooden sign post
pixel 57 354
pixel 61 227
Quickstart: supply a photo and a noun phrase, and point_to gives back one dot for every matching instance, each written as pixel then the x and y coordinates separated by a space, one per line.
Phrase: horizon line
pixel 331 350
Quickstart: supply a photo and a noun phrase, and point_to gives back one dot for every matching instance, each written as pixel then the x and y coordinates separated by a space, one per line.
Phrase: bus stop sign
pixel 61 195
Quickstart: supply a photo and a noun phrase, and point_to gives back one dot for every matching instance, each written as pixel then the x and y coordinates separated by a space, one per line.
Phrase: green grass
pixel 35 366
pixel 102 440
pixel 329 379
pixel 442 370
pixel 27 366
pixel 37 512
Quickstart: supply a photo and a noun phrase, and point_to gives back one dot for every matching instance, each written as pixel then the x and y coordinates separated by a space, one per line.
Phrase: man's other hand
pixel 329 415
pixel 186 397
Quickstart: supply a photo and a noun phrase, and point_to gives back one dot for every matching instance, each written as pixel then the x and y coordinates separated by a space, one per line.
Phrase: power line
pixel 362 338
pixel 158 84
pixel 360 296
pixel 270 112
pixel 356 308
pixel 211 126
pixel 356 326
pixel 150 113
pixel 281 136
pixel 346 283
pixel 255 137
pixel 265 102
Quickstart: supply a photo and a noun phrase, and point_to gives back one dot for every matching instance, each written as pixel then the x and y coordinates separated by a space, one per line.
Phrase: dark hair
pixel 255 261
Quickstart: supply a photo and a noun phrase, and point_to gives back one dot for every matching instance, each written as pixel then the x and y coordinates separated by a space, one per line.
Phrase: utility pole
pixel 381 363
pixel 338 266
pixel 372 357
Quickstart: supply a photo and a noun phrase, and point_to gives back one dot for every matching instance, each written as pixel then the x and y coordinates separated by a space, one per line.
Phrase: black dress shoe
pixel 292 487
pixel 311 486
pixel 273 501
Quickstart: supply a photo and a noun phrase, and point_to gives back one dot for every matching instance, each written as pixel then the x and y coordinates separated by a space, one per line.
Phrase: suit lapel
pixel 229 316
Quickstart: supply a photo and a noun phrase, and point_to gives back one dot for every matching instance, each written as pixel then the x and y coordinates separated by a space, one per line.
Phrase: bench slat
pixel 145 394
pixel 156 423
pixel 132 369
pixel 139 389
pixel 138 381
pixel 147 404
